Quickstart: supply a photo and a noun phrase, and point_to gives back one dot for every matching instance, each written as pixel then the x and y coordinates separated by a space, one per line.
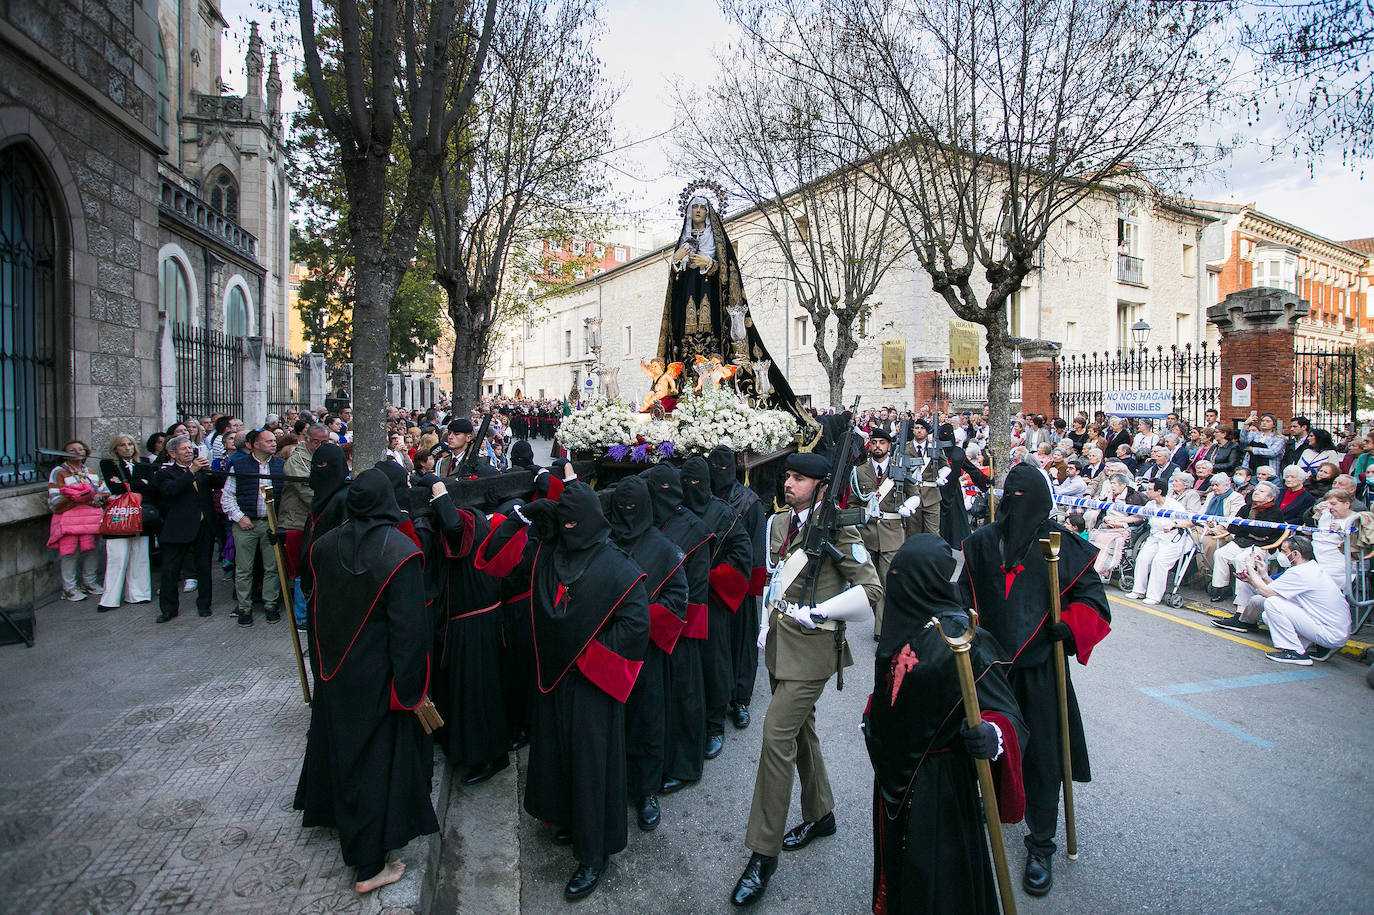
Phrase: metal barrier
pixel 209 371
pixel 1085 379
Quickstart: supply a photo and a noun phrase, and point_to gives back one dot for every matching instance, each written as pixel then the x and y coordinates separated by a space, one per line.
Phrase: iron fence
pixel 1325 386
pixel 968 388
pixel 284 385
pixel 209 371
pixel 1193 375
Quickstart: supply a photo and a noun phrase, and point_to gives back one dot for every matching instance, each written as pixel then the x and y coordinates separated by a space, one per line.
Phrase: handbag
pixel 123 516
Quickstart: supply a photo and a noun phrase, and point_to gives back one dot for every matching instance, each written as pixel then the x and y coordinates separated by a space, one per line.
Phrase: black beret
pixel 879 433
pixel 461 426
pixel 812 465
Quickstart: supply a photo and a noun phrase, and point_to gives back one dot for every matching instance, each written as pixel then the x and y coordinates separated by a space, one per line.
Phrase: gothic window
pixel 236 313
pixel 224 193
pixel 31 398
pixel 174 292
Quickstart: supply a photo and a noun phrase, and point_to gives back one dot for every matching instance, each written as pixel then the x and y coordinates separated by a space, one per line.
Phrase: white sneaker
pixel 191 584
pixel 1151 602
pixel 93 589
pixel 74 594
pixel 1138 595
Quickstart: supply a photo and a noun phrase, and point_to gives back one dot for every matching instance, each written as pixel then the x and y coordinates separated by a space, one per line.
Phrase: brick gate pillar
pixel 925 388
pixel 1256 328
pixel 1039 377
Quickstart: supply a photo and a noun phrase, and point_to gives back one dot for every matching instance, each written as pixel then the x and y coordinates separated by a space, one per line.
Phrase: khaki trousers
pixel 246 546
pixel 789 742
pixel 881 563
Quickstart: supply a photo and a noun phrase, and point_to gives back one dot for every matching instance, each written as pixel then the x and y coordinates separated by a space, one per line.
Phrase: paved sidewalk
pixel 152 768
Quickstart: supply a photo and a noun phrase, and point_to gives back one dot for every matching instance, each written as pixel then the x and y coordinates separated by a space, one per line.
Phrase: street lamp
pixel 1140 333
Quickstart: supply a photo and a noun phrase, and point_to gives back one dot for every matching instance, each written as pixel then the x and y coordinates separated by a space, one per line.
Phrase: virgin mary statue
pixel 705 313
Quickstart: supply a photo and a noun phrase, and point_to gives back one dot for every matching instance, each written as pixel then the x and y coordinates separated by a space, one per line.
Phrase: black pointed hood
pixel 665 491
pixel 696 485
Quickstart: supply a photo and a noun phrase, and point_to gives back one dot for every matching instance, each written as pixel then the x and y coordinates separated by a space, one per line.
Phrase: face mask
pixel 1284 560
pixel 1238 480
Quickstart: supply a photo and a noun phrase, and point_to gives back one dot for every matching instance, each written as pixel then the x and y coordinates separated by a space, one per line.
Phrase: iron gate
pixel 209 371
pixel 1324 386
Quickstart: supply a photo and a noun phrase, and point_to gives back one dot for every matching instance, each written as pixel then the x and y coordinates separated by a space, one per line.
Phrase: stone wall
pixel 78 90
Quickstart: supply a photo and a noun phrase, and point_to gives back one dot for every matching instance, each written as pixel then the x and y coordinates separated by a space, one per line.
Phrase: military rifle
pixel 823 526
pixel 899 465
pixel 469 459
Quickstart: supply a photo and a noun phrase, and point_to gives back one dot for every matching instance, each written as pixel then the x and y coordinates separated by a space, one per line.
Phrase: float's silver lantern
pixel 610 384
pixel 762 385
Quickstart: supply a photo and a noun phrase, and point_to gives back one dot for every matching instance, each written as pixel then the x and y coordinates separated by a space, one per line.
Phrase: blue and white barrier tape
pixel 1147 511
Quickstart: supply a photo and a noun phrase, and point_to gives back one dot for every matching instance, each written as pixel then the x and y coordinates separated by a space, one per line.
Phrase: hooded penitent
pixel 522 455
pixel 328 474
pixel 665 491
pixel 352 567
pixel 400 482
pixel 722 463
pixel 1025 504
pixel 696 485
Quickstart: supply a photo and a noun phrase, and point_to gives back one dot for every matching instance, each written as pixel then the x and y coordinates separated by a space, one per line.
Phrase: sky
pixel 648 46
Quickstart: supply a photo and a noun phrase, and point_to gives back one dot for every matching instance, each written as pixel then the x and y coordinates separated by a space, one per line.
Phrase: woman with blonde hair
pixel 76 498
pixel 127 572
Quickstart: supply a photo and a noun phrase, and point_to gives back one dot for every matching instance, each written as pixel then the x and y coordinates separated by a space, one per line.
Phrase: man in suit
pixel 1178 452
pixel 884 532
pixel 457 437
pixel 183 485
pixel 922 507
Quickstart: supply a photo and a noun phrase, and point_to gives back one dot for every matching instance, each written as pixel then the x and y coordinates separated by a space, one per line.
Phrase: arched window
pixel 224 193
pixel 236 313
pixel 174 292
pixel 30 396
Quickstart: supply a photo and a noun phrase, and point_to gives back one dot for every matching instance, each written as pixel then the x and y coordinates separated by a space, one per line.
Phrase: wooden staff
pixel 1050 549
pixel 287 596
pixel 964 664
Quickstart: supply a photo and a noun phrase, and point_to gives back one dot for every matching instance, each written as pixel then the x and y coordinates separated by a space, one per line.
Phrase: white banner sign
pixel 1139 403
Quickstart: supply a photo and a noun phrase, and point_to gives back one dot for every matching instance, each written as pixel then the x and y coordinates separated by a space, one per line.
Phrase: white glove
pixel 763 627
pixel 909 507
pixel 801 614
pixel 942 476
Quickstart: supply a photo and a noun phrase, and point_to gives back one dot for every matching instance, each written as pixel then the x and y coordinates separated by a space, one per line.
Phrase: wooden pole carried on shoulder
pixel 1050 549
pixel 287 596
pixel 974 715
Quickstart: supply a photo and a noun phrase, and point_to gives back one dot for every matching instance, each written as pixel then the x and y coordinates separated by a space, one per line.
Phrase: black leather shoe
pixel 166 617
pixel 714 744
pixel 649 814
pixel 1215 594
pixel 206 612
pixel 521 739
pixel 584 880
pixel 673 784
pixel 1039 876
pixel 752 884
pixel 740 716
pixel 478 774
pixel 562 837
pixel 800 836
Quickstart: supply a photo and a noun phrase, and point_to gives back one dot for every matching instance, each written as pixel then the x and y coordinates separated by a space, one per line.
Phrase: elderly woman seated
pixel 1113 527
pixel 1295 501
pixel 1181 491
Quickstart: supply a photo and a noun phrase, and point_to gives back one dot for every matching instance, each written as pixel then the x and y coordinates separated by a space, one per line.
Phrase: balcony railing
pixel 195 212
pixel 1130 269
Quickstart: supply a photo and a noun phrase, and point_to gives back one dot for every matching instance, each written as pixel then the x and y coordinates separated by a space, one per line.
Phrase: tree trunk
pixel 471 329
pixel 836 375
pixel 375 287
pixel 1001 356
pixel 467 369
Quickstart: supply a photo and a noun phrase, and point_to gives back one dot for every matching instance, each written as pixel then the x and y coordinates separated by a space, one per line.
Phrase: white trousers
pixel 126 571
pixel 1153 563
pixel 1293 628
pixel 1229 557
pixel 87 562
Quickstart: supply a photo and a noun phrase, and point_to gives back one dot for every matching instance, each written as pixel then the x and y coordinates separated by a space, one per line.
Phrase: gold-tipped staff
pixel 1050 549
pixel 964 664
pixel 287 597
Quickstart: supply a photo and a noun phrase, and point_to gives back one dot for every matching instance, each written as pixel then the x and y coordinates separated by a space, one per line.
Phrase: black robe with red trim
pixel 368 762
pixel 646 711
pixel 469 696
pixel 576 775
pixel 1013 605
pixel 684 752
pixel 744 625
pixel 731 566
pixel 930 852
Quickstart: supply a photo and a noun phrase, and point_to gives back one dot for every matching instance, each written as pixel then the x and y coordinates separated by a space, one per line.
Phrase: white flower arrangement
pixel 699 423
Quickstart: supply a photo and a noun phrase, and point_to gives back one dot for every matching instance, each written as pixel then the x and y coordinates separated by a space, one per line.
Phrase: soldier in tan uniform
pixel 884 532
pixel 922 509
pixel 802 635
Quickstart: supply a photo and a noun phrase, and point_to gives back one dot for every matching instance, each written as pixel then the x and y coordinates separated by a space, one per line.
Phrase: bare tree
pixel 988 121
pixel 527 167
pixel 378 70
pixel 784 145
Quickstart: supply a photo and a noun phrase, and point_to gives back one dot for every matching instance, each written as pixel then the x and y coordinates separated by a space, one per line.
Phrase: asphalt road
pixel 1223 782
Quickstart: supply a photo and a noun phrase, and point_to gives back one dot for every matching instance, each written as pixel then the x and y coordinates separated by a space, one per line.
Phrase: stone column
pixel 313 382
pixel 1256 328
pixel 254 382
pixel 1039 376
pixel 925 386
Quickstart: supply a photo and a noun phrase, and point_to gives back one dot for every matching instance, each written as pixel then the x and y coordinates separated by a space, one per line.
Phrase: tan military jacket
pixel 882 535
pixel 930 493
pixel 793 652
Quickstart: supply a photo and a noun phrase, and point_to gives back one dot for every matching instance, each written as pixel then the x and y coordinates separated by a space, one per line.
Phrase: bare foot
pixel 388 875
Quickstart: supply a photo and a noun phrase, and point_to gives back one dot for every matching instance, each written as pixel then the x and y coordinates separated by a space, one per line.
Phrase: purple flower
pixel 641 453
pixel 618 452
pixel 666 449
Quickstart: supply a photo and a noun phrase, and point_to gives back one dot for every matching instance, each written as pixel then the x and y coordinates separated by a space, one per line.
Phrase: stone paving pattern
pixel 151 769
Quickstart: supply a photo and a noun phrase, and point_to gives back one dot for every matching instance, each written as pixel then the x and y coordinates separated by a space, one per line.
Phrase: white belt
pixel 827 625
pixel 890 516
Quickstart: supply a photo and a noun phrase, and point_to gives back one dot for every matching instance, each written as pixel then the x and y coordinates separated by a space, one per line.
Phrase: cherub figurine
pixel 712 371
pixel 664 382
